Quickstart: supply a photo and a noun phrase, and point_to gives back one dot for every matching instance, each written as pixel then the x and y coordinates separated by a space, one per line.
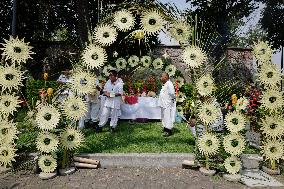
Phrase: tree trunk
pixel 82 27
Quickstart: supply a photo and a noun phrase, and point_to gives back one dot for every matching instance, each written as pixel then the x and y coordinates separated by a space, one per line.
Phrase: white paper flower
pixel 121 63
pixel 171 70
pixel 181 97
pixel 83 82
pixel 16 50
pixel 208 144
pixel 71 138
pixel 9 104
pixel 7 155
pixel 107 69
pixel 133 60
pixel 94 56
pixel 180 110
pixel 272 126
pixel 123 20
pixel 47 142
pixel 180 31
pixel 205 85
pixel 180 81
pixel 158 63
pixel 242 104
pixel 194 57
pixel 105 35
pixel 8 132
pixel 74 108
pixel 234 144
pixel 152 22
pixel 272 100
pixel 235 122
pixel 47 117
pixel 269 75
pixel 11 77
pixel 232 165
pixel 208 113
pixel 47 163
pixel 273 150
pixel 262 51
pixel 146 61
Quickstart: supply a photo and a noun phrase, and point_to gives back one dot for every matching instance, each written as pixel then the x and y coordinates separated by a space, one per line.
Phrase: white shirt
pixel 63 78
pixel 167 95
pixel 116 87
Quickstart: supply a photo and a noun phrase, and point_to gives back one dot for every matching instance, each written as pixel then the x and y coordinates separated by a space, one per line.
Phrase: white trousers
pixel 113 113
pixel 93 111
pixel 167 115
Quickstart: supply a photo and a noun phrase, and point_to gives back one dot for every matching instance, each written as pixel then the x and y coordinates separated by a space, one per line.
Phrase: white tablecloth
pixel 147 107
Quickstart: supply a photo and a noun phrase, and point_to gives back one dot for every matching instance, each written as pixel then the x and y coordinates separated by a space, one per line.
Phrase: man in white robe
pixel 113 91
pixel 167 102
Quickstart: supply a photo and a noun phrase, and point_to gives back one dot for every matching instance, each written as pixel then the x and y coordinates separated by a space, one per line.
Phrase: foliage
pixel 6 15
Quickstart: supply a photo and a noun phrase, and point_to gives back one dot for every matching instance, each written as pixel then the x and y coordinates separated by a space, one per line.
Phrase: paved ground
pixel 124 178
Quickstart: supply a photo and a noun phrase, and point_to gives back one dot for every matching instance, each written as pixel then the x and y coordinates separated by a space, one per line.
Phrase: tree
pixel 6 19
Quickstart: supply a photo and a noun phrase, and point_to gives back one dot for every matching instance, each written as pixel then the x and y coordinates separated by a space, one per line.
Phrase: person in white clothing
pixel 63 79
pixel 167 101
pixel 113 91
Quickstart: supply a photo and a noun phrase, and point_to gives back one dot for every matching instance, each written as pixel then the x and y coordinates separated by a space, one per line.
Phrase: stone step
pixel 140 159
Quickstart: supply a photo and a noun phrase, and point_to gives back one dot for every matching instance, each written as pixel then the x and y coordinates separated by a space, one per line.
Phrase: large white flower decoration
pixel 205 85
pixel 272 100
pixel 105 35
pixel 273 150
pixel 235 122
pixel 269 75
pixel 180 31
pixel 158 63
pixel 121 63
pixel 171 70
pixel 11 77
pixel 242 104
pixel 47 117
pixel 208 144
pixel 208 113
pixel 47 163
pixel 262 51
pixel 232 165
pixel 107 69
pixel 194 57
pixel 74 108
pixel 83 82
pixel 16 50
pixel 71 138
pixel 9 104
pixel 234 144
pixel 123 20
pixel 47 142
pixel 272 126
pixel 8 132
pixel 7 155
pixel 94 56
pixel 146 61
pixel 133 60
pixel 152 22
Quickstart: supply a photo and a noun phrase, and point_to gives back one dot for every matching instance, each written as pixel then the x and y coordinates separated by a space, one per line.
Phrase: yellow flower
pixel 205 85
pixel 133 60
pixel 262 51
pixel 47 142
pixel 94 56
pixel 269 75
pixel 9 104
pixel 194 57
pixel 158 63
pixel 235 122
pixel 272 100
pixel 10 77
pixel 152 22
pixel 273 150
pixel 123 20
pixel 47 163
pixel 208 113
pixel 171 70
pixel 272 126
pixel 208 144
pixel 138 34
pixel 7 155
pixel 232 165
pixel 16 50
pixel 71 138
pixel 47 117
pixel 83 82
pixel 180 31
pixel 45 76
pixel 74 108
pixel 234 144
pixel 8 132
pixel 105 35
pixel 49 91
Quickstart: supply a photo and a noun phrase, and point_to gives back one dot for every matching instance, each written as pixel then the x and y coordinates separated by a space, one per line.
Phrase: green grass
pixel 138 137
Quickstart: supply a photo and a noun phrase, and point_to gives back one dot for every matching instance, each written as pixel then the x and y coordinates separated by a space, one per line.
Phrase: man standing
pixel 113 91
pixel 167 102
